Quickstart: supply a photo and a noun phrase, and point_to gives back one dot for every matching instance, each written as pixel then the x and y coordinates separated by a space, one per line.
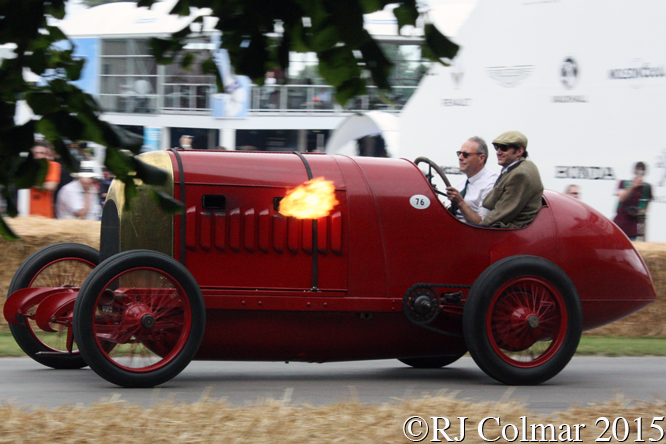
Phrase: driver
pixel 467 197
pixel 516 197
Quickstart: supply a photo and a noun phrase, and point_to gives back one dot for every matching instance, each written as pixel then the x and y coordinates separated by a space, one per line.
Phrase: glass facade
pixel 132 82
pixel 128 76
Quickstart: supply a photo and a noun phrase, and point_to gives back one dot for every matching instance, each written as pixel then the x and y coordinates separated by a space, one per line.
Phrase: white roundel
pixel 419 201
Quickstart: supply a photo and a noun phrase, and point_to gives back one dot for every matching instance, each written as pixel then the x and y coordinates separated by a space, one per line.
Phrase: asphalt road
pixel 23 382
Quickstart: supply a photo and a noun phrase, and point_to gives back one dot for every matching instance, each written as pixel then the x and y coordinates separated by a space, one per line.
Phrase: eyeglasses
pixel 503 148
pixel 464 154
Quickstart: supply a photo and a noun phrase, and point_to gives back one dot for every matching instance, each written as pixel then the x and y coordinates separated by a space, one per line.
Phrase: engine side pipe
pixel 315 231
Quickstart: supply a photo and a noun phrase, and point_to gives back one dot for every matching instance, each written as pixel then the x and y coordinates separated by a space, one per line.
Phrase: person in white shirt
pixel 79 199
pixel 467 197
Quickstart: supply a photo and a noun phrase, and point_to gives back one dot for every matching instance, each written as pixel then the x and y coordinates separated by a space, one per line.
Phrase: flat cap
pixel 515 138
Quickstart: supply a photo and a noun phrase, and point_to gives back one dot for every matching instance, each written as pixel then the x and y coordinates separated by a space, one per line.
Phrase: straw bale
pixel 271 421
pixel 38 232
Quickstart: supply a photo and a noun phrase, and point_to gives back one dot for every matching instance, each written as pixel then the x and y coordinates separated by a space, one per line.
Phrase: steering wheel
pixel 433 166
pixel 453 208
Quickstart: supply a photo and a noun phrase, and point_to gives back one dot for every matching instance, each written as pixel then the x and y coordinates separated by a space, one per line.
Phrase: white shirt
pixel 479 186
pixel 71 199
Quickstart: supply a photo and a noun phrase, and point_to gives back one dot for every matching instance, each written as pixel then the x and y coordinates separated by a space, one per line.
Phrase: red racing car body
pixel 387 273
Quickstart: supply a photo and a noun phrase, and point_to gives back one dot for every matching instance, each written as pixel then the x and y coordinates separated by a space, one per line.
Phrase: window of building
pixel 187 90
pixel 128 80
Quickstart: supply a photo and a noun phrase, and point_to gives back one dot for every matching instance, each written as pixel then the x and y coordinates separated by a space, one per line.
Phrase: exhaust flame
pixel 311 200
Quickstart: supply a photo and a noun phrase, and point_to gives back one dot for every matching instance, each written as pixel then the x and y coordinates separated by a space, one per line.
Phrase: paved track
pixel 586 379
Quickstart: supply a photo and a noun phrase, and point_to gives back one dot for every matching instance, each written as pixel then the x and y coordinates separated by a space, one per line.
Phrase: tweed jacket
pixel 516 199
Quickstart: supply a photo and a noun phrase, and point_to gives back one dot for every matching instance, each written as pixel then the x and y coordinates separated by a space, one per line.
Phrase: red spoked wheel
pixel 527 321
pixel 139 319
pixel 522 320
pixel 59 265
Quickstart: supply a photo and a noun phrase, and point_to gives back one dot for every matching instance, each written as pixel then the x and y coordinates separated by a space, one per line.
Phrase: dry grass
pixel 37 232
pixel 211 421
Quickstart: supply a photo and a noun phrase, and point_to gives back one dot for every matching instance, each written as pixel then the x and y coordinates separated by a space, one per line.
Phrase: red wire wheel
pixel 58 265
pixel 139 319
pixel 522 320
pixel 142 319
pixel 527 321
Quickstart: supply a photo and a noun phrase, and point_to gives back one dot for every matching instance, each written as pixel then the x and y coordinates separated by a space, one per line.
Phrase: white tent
pixel 584 80
pixel 371 123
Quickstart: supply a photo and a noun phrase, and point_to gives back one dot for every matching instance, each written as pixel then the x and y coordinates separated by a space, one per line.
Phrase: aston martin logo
pixel 510 76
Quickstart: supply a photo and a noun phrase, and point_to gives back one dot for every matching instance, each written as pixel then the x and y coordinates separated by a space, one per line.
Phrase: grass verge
pixel 619 346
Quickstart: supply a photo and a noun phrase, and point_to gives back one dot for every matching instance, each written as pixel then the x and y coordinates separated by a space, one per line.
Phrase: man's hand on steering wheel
pixel 454 195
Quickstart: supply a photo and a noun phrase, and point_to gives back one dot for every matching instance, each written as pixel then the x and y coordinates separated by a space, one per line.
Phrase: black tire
pixel 431 362
pixel 522 320
pixel 46 267
pixel 139 318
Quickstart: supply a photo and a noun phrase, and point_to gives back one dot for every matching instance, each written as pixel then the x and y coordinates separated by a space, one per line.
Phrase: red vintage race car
pixel 388 272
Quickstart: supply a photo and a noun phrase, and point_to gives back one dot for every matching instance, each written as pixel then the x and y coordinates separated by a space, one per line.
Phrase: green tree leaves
pixel 258 35
pixel 348 55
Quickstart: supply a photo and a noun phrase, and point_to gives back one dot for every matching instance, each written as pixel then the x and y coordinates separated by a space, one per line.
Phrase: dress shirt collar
pixel 509 167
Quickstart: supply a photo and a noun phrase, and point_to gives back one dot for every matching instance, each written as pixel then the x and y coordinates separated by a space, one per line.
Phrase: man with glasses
pixel 479 181
pixel 516 197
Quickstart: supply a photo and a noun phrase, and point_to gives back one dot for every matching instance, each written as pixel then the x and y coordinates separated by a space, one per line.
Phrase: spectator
pixel 634 197
pixel 573 191
pixel 104 186
pixel 41 197
pixel 185 142
pixel 79 198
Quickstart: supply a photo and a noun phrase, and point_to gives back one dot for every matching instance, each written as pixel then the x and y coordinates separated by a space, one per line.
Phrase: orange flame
pixel 311 200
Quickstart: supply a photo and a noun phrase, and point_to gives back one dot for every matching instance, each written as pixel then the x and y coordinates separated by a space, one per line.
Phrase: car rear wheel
pixel 432 361
pixel 59 265
pixel 522 320
pixel 139 318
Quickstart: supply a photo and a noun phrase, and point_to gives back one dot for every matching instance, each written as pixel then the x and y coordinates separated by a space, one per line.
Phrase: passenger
pixel 466 204
pixel 516 197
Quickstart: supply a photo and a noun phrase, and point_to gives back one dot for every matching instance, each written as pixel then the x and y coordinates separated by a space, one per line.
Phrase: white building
pixel 165 102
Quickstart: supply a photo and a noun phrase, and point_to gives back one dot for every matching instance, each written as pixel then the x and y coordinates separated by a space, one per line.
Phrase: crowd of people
pixel 64 194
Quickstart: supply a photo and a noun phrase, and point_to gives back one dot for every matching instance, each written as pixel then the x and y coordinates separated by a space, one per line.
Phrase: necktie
pixel 498 178
pixel 464 190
